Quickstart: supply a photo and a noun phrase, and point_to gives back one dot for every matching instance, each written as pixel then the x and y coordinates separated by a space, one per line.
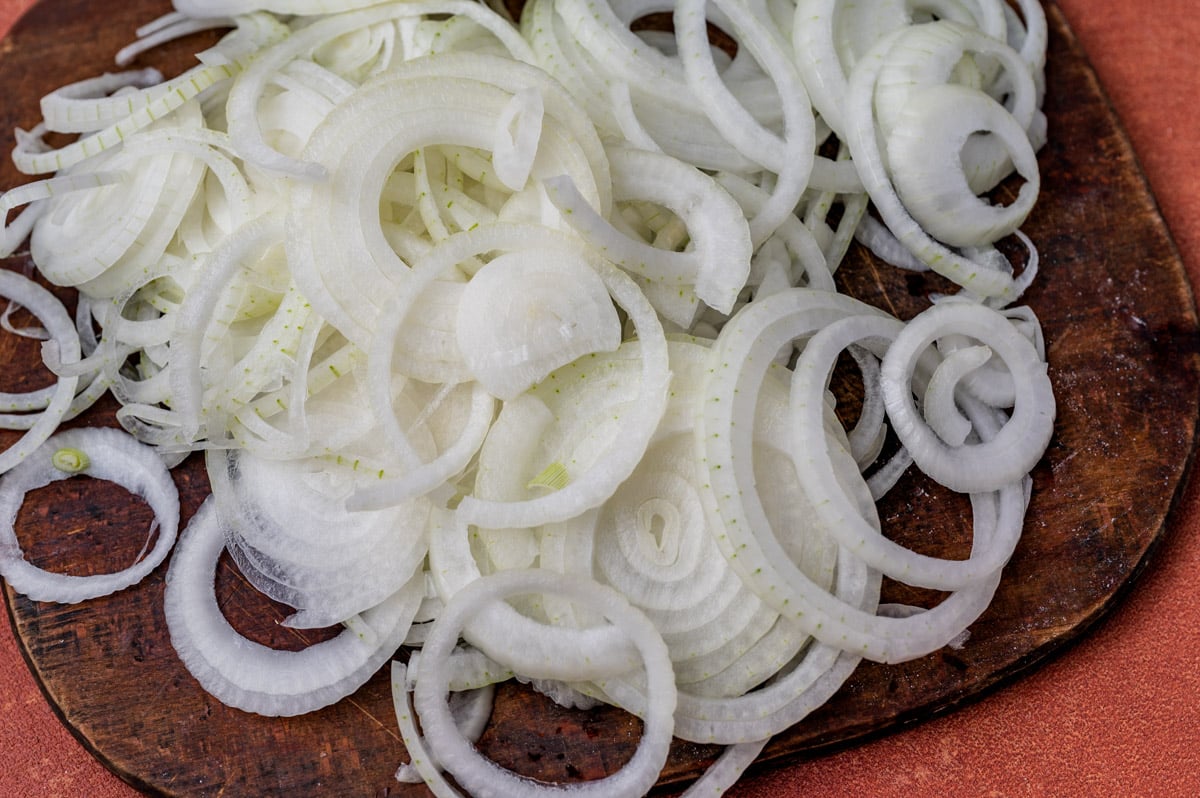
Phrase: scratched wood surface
pixel 1123 349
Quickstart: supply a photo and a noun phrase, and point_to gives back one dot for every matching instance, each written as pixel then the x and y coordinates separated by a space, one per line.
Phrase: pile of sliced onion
pixel 512 346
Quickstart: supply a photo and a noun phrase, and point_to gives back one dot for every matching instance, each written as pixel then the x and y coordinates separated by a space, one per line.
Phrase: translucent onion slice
pixel 591 51
pixel 505 635
pixel 791 157
pixel 289 525
pixel 431 478
pixel 471 709
pixel 943 415
pixel 167 28
pixel 653 541
pixel 807 263
pixel 525 314
pixel 52 315
pixel 947 53
pixel 129 222
pixel 344 264
pixel 252 32
pixel 742 357
pixel 78 107
pixel 842 514
pixel 795 689
pixel 640 420
pixel 517 132
pixel 1015 450
pixel 1030 35
pixel 718 259
pixel 980 276
pixel 245 95
pixel 202 324
pixel 460 248
pixel 828 39
pixel 482 777
pixel 925 156
pixel 563 107
pixel 256 678
pixel 106 454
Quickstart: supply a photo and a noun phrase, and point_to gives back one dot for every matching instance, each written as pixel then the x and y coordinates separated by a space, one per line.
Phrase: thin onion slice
pixel 53 316
pixel 257 678
pixel 102 453
pixel 483 778
pixel 1018 446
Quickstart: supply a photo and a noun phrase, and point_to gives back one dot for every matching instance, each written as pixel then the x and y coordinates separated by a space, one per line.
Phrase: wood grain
pixel 1124 353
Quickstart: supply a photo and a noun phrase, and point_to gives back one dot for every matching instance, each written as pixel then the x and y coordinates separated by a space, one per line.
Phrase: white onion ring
pixel 256 678
pixel 1018 446
pixel 114 456
pixel 53 316
pixel 483 778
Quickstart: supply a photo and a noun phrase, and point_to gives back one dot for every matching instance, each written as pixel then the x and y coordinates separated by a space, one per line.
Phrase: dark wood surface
pixel 1123 348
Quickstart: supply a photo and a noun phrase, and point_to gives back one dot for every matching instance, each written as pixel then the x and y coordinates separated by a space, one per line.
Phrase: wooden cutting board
pixel 1124 355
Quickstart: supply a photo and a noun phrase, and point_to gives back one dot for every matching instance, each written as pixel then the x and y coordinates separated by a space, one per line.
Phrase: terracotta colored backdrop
pixel 1116 714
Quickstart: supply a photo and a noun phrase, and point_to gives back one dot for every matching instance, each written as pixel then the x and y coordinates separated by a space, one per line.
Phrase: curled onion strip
pixel 159 102
pixel 86 105
pixel 482 777
pixel 829 37
pixel 861 135
pixel 167 28
pixel 105 454
pixel 1020 443
pixel 341 261
pixel 791 159
pixel 128 224
pixel 244 96
pixel 718 258
pixel 195 319
pixel 507 636
pixel 923 153
pixel 527 313
pixel 742 357
pixel 53 316
pixel 838 510
pixel 795 690
pixel 619 460
pixel 256 678
pixel 303 548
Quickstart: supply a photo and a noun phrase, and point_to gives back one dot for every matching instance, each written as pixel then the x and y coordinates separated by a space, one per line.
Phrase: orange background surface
pixel 1115 715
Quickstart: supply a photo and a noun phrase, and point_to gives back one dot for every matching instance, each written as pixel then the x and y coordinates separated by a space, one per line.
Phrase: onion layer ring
pixel 107 454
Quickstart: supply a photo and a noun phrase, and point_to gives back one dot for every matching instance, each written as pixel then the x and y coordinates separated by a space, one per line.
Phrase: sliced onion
pixel 103 454
pixel 158 102
pixel 1018 446
pixel 545 319
pixel 245 95
pixel 718 260
pixel 341 261
pixel 949 41
pixel 480 776
pixel 256 678
pixel 52 315
pixel 525 314
pixel 742 357
pixel 840 512
pixel 287 527
pixel 535 651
